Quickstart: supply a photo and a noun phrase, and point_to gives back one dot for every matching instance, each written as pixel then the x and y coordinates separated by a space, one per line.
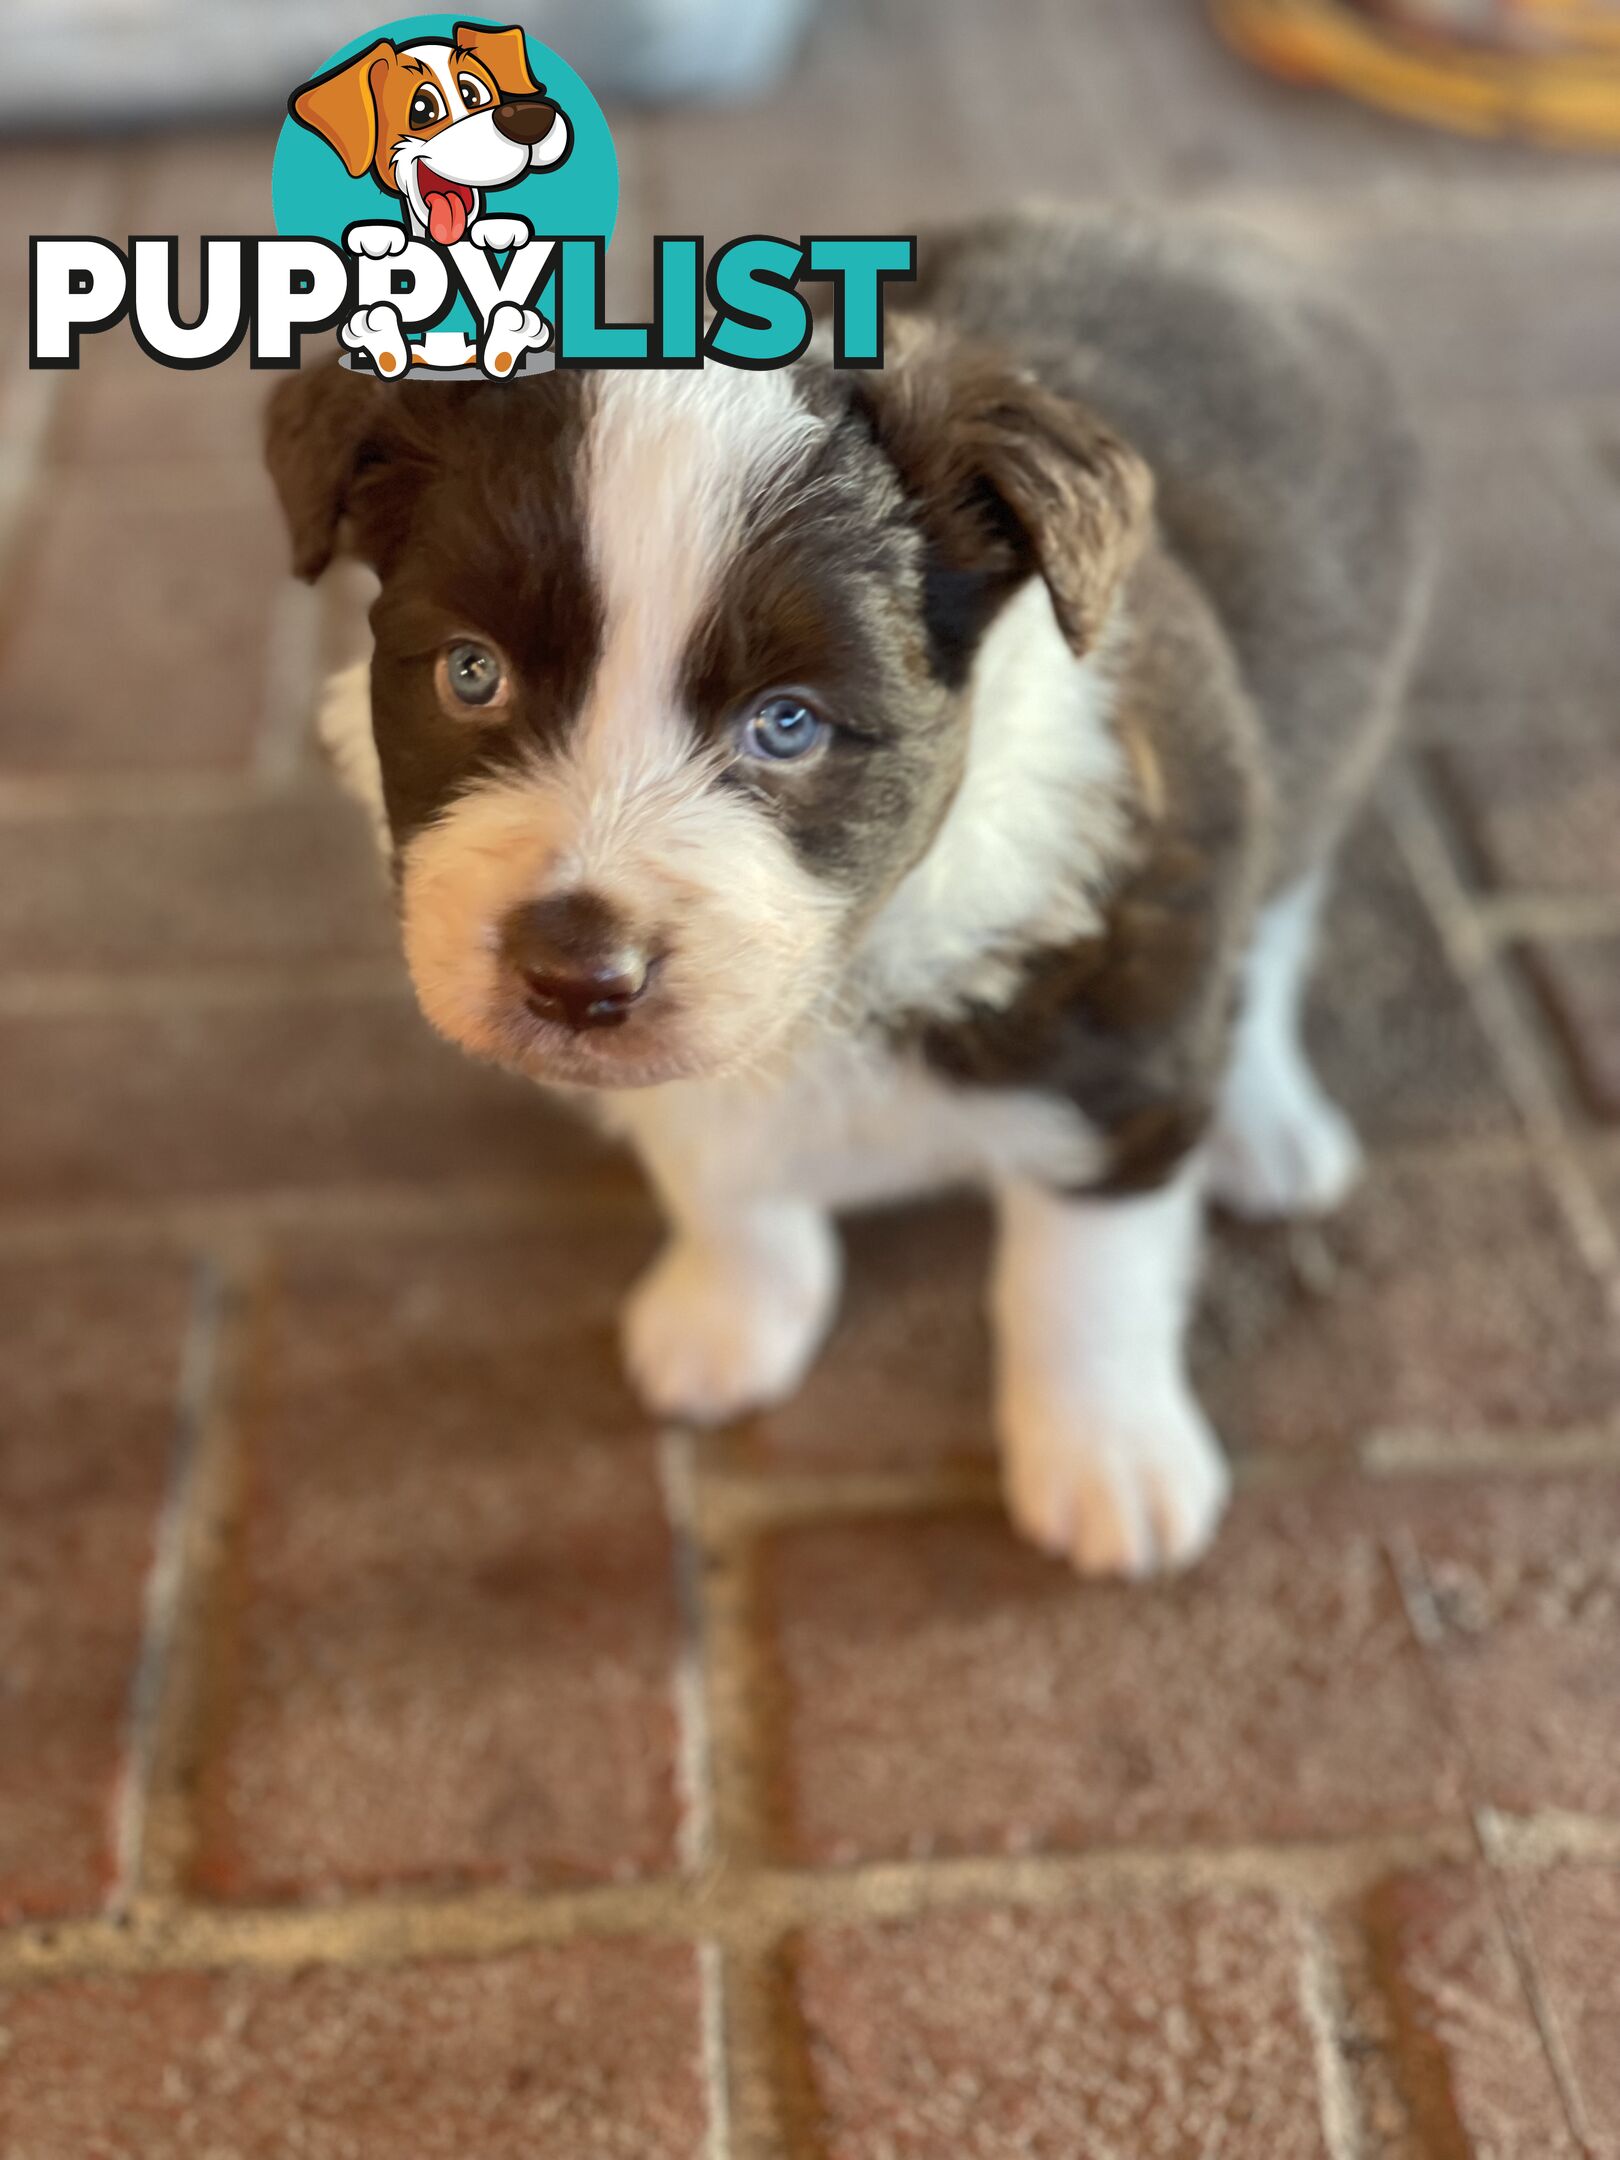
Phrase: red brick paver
pixel 171 668
pixel 1571 1920
pixel 1444 1300
pixel 948 1690
pixel 1579 978
pixel 1541 817
pixel 506 2059
pixel 455 1654
pixel 1168 2032
pixel 208 1097
pixel 89 1409
pixel 1476 2071
pixel 1524 1583
pixel 288 882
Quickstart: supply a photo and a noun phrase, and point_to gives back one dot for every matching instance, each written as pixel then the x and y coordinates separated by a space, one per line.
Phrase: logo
pixel 444 194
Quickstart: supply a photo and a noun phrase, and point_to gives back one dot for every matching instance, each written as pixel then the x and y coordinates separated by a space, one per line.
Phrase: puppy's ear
pixel 345 460
pixel 1008 478
pixel 503 52
pixel 341 106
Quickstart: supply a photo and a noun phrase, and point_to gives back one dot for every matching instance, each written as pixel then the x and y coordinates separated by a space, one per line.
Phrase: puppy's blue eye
pixel 470 674
pixel 783 727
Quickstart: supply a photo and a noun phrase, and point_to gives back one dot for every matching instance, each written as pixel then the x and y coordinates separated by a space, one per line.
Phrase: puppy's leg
pixel 1106 1457
pixel 731 1313
pixel 1281 1147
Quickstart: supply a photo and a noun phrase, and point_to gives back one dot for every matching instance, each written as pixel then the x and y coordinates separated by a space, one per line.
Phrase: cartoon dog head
pixel 438 122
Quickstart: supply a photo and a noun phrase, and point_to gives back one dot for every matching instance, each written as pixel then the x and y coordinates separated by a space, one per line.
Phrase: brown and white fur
pixel 1104 587
pixel 439 124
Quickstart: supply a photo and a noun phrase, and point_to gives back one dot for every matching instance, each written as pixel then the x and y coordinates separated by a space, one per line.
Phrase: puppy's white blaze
pixel 1025 849
pixel 677 464
pixel 343 728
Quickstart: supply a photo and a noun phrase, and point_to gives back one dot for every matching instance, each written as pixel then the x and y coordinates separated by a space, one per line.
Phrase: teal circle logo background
pixel 311 192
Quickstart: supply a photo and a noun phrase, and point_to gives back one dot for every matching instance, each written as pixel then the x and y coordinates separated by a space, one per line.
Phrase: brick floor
pixel 1524 1584
pixel 1478 2074
pixel 505 2058
pixel 201 1097
pixel 1579 981
pixel 172 666
pixel 89 1416
pixel 406 1749
pixel 1569 1916
pixel 1445 1300
pixel 1541 817
pixel 1169 2031
pixel 445 1679
pixel 290 881
pixel 944 1689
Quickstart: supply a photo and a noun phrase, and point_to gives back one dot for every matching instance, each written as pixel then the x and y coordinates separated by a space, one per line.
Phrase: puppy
pixel 863 782
pixel 439 124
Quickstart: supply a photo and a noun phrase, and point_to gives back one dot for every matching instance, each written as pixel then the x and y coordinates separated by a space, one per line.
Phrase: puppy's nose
pixel 525 120
pixel 577 963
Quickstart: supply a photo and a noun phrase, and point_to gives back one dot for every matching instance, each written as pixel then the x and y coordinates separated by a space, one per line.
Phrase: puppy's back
pixel 1288 480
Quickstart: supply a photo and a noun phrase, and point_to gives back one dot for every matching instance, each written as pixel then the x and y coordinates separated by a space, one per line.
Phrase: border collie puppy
pixel 862 782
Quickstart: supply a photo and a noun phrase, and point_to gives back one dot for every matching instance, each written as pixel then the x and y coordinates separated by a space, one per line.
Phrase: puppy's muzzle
pixel 525 120
pixel 577 965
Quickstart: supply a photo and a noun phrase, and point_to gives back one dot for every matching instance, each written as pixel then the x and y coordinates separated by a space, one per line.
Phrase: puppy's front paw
pixel 512 332
pixel 379 332
pixel 1119 1488
pixel 377 242
pixel 1293 1153
pixel 712 1331
pixel 498 234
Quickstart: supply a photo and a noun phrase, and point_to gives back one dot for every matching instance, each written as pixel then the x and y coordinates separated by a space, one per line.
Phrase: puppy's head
pixel 671 670
pixel 438 121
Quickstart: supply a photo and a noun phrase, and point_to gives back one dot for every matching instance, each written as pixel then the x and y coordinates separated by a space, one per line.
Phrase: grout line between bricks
pixel 219 988
pixel 29 797
pixel 1532 1842
pixel 1427 857
pixel 458 1208
pixel 171 1674
pixel 1326 2015
pixel 1417 1595
pixel 712 1981
pixel 456 1204
pixel 166 1588
pixel 1503 1891
pixel 28 401
pixel 694 1753
pixel 1396 1454
pixel 747 1911
pixel 1513 918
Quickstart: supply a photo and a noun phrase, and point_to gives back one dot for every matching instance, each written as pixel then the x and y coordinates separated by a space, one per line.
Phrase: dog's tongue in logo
pixel 449 205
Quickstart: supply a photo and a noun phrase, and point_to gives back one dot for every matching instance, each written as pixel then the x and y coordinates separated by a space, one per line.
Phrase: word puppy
pixel 439 124
pixel 868 781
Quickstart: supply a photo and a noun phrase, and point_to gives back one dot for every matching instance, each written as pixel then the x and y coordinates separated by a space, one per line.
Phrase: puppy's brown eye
pixel 473 92
pixel 426 107
pixel 472 678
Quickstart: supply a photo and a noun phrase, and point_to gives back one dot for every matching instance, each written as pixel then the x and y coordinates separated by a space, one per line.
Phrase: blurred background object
pixel 1548 70
pixel 122 63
